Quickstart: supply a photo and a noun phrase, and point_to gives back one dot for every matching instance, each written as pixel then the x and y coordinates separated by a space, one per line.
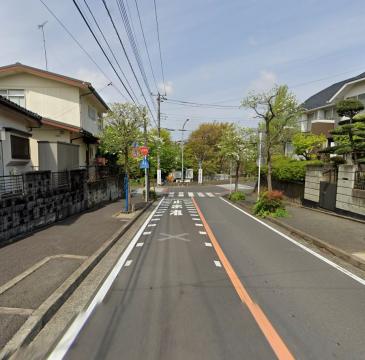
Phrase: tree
pixel 278 110
pixel 202 147
pixel 169 151
pixel 308 144
pixel 239 144
pixel 349 136
pixel 123 123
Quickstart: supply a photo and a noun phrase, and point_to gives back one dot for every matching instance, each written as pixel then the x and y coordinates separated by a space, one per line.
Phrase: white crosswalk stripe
pixel 191 194
pixel 171 194
pixel 181 194
pixel 200 194
pixel 210 194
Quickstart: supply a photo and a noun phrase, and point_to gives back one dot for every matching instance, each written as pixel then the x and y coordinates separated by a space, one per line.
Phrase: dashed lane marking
pixel 198 224
pixel 147 233
pixel 208 244
pixel 202 233
pixel 151 225
pixel 217 263
pixel 140 244
pixel 128 262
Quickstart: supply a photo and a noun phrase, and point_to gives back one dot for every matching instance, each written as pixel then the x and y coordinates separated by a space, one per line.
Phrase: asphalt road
pixel 206 281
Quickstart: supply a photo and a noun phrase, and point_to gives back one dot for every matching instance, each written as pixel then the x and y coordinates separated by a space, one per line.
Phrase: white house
pixel 16 123
pixel 320 115
pixel 71 111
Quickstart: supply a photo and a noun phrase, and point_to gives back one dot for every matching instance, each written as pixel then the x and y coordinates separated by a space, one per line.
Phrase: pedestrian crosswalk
pixel 190 194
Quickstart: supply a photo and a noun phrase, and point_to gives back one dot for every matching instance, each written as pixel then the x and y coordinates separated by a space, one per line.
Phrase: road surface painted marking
pixel 151 225
pixel 198 224
pixel 171 194
pixel 277 344
pixel 190 194
pixel 200 194
pixel 147 233
pixel 176 237
pixel 319 256
pixel 202 233
pixel 181 194
pixel 217 263
pixel 210 194
pixel 128 262
pixel 217 193
pixel 139 244
pixel 69 337
pixel 196 219
pixel 208 244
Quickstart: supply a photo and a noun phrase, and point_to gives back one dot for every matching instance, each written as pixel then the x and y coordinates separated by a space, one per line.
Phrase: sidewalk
pixel 32 268
pixel 343 237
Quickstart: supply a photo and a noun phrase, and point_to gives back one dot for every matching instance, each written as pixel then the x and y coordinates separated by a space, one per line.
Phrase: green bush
pixel 152 194
pixel 270 203
pixel 237 196
pixel 287 169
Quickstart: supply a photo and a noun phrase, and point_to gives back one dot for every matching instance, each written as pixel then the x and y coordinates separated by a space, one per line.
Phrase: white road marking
pixel 210 194
pixel 217 263
pixel 151 225
pixel 200 194
pixel 128 262
pixel 155 219
pixel 171 194
pixel 181 194
pixel 191 194
pixel 69 337
pixel 147 233
pixel 208 244
pixel 139 244
pixel 319 256
pixel 202 233
pixel 196 219
pixel 198 224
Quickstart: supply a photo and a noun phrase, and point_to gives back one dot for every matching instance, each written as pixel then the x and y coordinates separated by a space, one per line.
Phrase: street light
pixel 182 150
pixel 259 174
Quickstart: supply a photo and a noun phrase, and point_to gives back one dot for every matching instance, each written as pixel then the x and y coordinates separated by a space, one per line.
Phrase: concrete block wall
pixel 41 205
pixel 313 176
pixel 349 199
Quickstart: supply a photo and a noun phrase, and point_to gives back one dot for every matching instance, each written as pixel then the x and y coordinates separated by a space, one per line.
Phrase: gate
pixel 328 190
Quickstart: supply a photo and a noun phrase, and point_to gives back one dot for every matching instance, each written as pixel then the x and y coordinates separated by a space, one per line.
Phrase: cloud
pixel 265 81
pixel 169 88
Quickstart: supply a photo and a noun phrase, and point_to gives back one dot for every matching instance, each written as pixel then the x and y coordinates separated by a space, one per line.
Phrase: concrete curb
pixel 49 307
pixel 313 240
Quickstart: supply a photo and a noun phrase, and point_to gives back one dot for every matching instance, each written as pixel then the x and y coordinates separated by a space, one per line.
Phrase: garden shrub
pixel 287 169
pixel 152 194
pixel 270 203
pixel 237 196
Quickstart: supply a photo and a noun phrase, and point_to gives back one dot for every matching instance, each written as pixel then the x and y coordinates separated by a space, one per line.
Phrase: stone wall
pixel 313 177
pixel 349 199
pixel 42 203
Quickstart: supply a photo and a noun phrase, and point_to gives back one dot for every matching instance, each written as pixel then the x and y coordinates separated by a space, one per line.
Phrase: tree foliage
pixel 279 111
pixel 308 144
pixel 349 136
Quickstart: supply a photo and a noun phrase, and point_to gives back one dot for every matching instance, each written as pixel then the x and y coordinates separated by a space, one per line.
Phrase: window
pixel 311 116
pixel 328 114
pixel 14 95
pixel 19 147
pixel 92 113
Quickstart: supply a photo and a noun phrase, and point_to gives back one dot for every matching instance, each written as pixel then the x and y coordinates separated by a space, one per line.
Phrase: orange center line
pixel 277 344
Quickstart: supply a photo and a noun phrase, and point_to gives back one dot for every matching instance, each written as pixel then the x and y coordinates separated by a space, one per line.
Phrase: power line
pixel 145 44
pixel 81 47
pixel 126 55
pixel 159 46
pixel 102 49
pixel 110 49
pixel 133 43
pixel 195 104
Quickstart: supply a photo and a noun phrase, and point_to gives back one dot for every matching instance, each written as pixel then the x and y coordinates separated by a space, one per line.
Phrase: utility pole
pixel 159 138
pixel 259 174
pixel 41 26
pixel 146 180
pixel 182 150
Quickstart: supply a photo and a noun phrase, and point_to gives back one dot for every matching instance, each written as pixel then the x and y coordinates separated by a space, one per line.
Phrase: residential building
pixel 71 111
pixel 16 123
pixel 320 115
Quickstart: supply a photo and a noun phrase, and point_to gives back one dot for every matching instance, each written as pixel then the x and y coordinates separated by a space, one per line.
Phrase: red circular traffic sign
pixel 143 150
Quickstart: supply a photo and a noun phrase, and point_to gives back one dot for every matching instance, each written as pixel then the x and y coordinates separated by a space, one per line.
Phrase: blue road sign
pixel 144 164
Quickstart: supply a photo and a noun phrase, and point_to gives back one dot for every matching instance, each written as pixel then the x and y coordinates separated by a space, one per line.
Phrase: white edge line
pixel 69 337
pixel 319 256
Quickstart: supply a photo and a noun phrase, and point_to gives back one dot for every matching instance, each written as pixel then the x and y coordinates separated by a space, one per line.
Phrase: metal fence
pixel 60 180
pixel 11 185
pixel 360 180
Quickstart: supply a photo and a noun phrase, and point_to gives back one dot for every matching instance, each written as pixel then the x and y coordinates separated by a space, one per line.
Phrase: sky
pixel 213 51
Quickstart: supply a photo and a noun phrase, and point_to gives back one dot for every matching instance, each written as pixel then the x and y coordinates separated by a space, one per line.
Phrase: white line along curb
pixel 69 337
pixel 319 256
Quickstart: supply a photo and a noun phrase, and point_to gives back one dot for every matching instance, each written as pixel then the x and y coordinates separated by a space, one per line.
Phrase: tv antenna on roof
pixel 41 26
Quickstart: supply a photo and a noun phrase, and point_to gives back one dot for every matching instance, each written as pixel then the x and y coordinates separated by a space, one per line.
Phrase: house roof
pixel 13 106
pixel 322 97
pixel 20 68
